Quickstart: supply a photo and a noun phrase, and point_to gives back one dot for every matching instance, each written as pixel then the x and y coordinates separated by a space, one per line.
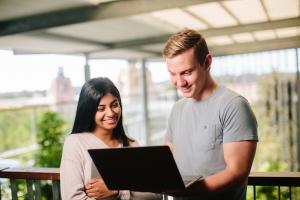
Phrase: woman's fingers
pixel 94 195
pixel 94 192
pixel 96 188
pixel 92 181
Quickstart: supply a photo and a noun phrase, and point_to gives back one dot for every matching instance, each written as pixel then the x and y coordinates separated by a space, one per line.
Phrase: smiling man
pixel 212 130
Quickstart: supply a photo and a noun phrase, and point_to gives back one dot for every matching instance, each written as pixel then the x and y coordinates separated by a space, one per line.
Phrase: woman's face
pixel 108 113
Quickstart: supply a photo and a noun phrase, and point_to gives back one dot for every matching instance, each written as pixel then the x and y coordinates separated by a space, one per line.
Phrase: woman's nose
pixel 110 112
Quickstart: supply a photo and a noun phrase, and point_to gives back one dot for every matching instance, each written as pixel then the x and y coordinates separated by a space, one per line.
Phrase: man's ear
pixel 207 62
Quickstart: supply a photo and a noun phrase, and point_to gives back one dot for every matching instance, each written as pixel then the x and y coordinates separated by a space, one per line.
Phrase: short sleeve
pixel 239 122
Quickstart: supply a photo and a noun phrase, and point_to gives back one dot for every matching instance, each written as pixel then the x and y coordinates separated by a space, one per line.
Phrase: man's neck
pixel 210 87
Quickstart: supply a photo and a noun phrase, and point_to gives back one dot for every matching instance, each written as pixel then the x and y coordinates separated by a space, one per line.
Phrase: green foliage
pixel 270 156
pixel 51 128
pixel 269 153
pixel 49 138
pixel 15 130
pixel 18 127
pixel 271 192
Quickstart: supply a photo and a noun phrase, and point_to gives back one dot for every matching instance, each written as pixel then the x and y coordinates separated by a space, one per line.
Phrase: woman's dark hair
pixel 90 96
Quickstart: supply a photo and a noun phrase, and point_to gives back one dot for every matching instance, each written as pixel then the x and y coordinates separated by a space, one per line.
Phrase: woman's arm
pixel 71 172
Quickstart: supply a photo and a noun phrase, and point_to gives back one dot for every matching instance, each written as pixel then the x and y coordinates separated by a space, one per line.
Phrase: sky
pixel 32 72
pixel 35 72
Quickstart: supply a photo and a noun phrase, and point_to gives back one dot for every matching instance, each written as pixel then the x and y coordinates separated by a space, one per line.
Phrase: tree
pixel 49 138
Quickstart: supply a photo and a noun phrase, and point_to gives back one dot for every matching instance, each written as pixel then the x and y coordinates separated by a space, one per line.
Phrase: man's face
pixel 187 74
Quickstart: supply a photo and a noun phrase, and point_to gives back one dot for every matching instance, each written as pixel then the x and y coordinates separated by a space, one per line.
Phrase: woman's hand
pixel 97 189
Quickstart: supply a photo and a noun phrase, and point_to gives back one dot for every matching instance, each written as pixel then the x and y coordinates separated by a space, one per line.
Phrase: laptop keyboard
pixel 189 180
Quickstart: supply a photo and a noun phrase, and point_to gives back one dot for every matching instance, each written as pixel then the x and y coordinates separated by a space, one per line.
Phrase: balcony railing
pixel 33 176
pixel 278 179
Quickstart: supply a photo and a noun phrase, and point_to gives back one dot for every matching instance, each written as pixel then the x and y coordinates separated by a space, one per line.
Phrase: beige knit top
pixel 77 168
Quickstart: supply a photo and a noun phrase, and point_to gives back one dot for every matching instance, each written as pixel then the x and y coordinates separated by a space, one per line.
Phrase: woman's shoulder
pixel 76 138
pixel 75 143
pixel 73 147
pixel 134 143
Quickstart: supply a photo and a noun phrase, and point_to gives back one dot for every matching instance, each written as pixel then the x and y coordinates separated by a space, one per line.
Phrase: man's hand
pixel 97 189
pixel 195 189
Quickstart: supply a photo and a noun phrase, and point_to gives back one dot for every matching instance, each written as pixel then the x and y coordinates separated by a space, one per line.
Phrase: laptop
pixel 144 169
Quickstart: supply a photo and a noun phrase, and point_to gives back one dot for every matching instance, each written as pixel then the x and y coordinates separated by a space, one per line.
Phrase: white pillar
pixel 145 101
pixel 87 74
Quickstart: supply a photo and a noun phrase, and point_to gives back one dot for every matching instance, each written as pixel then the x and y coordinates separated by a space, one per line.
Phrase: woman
pixel 98 124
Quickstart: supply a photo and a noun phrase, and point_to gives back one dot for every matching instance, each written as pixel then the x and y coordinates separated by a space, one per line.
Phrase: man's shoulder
pixel 179 105
pixel 181 102
pixel 228 93
pixel 227 96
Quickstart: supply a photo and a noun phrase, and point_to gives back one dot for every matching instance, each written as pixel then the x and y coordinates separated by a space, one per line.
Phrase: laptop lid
pixel 148 169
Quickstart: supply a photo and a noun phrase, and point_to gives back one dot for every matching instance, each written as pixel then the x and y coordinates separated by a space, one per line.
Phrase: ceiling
pixel 134 29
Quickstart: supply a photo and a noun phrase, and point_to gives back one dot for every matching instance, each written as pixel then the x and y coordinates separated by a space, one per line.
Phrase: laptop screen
pixel 151 168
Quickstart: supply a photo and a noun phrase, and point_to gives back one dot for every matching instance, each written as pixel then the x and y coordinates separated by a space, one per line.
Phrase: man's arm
pixel 238 158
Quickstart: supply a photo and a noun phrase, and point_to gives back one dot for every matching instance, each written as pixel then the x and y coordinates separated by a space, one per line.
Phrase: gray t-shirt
pixel 198 130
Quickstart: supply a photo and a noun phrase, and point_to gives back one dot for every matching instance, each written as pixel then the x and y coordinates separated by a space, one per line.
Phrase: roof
pixel 134 29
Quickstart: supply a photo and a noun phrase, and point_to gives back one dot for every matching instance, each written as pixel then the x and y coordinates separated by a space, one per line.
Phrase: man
pixel 212 130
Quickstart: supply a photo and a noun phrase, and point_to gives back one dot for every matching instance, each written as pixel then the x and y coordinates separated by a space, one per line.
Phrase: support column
pixel 87 74
pixel 145 100
pixel 298 107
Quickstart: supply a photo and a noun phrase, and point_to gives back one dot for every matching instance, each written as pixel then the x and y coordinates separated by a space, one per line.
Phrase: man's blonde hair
pixel 185 40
